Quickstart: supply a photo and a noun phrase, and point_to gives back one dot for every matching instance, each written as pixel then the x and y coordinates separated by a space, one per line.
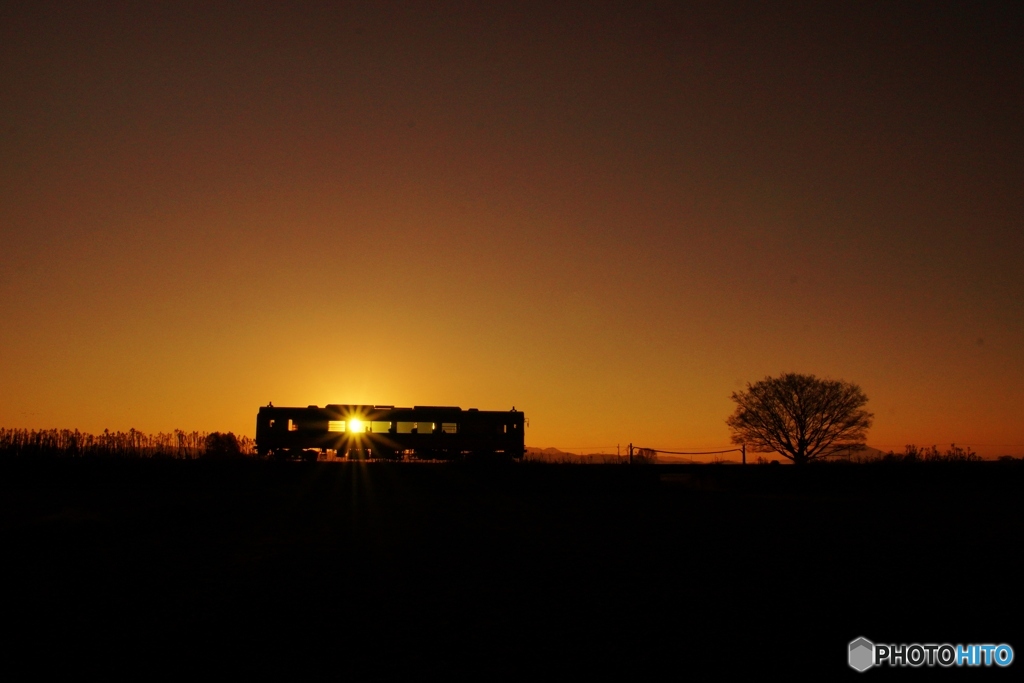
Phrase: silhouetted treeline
pixel 914 454
pixel 65 443
pixel 911 454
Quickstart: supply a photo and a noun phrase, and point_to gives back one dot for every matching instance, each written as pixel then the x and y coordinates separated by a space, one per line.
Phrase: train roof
pixel 340 407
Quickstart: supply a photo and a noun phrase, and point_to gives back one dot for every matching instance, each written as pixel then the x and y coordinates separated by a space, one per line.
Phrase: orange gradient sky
pixel 610 215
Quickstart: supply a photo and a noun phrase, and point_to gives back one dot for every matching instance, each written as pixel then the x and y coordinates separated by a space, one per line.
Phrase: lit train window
pixel 271 425
pixel 406 427
pixel 425 427
pixel 292 427
pixel 449 428
pixel 380 427
pixel 335 425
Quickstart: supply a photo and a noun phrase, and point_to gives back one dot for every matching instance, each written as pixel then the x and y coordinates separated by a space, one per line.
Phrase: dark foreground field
pixel 525 571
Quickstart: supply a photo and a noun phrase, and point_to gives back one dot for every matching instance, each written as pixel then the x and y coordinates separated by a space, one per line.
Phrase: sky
pixel 608 215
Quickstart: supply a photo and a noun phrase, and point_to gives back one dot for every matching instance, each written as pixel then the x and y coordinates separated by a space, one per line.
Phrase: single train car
pixel 360 432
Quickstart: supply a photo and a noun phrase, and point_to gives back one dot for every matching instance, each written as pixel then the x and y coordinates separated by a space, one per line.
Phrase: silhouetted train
pixel 389 433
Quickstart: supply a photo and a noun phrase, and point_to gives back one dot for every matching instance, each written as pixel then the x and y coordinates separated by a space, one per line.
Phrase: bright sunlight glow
pixel 356 425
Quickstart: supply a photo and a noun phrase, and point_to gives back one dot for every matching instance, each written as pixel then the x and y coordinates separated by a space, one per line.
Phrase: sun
pixel 356 425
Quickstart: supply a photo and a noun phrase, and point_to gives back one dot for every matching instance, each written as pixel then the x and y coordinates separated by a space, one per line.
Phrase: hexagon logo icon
pixel 862 654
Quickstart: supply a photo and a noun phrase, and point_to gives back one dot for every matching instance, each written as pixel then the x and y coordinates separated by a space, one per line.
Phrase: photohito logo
pixel 863 654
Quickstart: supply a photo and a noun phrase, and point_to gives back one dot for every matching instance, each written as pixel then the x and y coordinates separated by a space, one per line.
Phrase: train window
pixel 425 427
pixel 335 425
pixel 380 427
pixel 501 429
pixel 449 427
pixel 292 427
pixel 406 427
pixel 271 424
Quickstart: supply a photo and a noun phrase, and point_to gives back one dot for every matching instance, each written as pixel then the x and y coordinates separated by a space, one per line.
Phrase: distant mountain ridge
pixel 556 455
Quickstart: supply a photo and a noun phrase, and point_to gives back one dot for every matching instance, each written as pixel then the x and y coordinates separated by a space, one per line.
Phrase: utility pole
pixel 630 454
pixel 744 448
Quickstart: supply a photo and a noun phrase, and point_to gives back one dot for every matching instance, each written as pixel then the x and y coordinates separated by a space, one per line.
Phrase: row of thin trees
pixel 932 454
pixel 911 454
pixel 179 444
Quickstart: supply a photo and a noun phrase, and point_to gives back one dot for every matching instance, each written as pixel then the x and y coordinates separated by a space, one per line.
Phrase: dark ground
pixel 521 571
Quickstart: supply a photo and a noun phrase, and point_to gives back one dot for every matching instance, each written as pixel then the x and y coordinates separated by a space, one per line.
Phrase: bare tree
pixel 801 417
pixel 222 445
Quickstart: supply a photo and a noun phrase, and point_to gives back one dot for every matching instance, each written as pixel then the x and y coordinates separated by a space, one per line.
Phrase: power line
pixel 742 450
pixel 580 448
pixel 657 450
